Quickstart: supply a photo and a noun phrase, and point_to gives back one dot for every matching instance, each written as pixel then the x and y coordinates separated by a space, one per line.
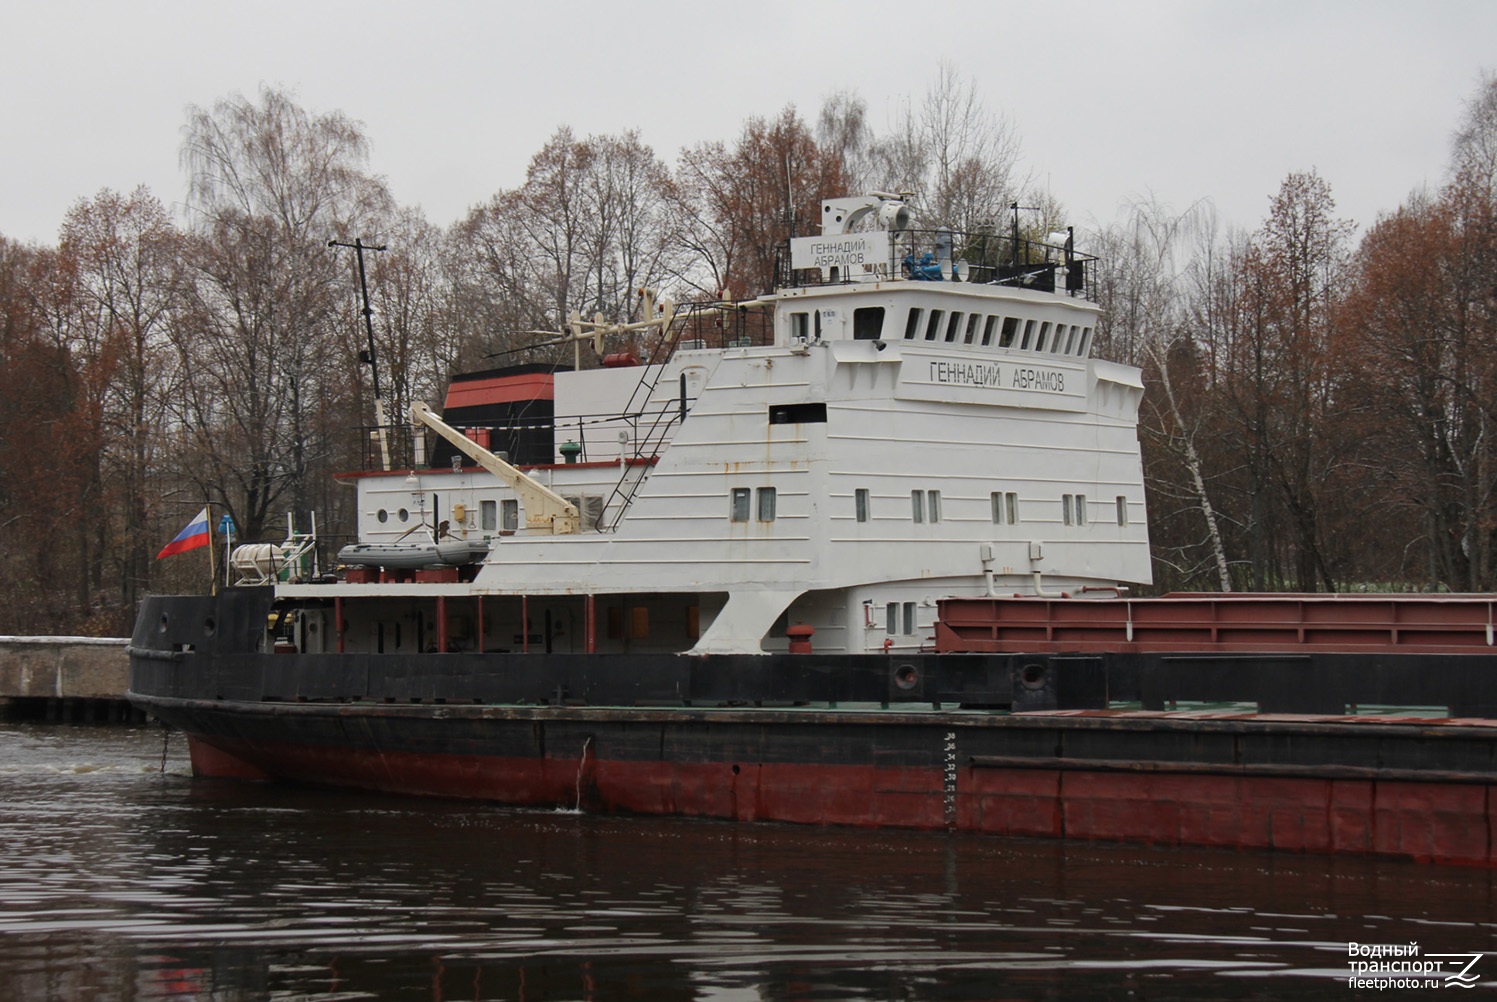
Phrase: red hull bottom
pixel 1445 822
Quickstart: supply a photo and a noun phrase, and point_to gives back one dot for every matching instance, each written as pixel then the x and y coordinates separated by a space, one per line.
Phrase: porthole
pixel 382 515
pixel 405 516
pixel 210 626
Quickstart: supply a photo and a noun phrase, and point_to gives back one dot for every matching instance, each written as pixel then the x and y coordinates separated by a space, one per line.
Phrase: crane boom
pixel 545 510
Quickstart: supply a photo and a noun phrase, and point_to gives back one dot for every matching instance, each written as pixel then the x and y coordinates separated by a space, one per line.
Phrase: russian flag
pixel 190 538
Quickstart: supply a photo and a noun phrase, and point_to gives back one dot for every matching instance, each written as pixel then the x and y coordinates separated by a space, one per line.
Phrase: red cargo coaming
pixel 1247 623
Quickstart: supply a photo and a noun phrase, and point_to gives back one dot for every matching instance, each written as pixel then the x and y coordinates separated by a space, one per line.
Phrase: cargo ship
pixel 860 551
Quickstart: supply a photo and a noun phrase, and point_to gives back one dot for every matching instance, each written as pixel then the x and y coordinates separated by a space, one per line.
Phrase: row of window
pixel 504 515
pixel 763 507
pixel 900 614
pixel 925 506
pixel 759 504
pixel 958 327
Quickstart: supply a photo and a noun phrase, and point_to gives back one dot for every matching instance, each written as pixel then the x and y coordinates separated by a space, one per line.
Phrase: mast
pixel 359 247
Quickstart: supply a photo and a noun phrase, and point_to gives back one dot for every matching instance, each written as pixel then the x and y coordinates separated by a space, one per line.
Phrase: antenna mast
pixel 359 247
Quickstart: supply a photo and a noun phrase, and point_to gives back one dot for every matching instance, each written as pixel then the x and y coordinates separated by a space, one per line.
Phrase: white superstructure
pixel 903 436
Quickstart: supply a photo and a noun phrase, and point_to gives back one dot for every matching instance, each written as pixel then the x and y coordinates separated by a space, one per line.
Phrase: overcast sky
pixel 1112 101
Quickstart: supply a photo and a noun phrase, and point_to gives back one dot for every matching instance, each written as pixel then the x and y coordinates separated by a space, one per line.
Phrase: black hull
pixel 857 740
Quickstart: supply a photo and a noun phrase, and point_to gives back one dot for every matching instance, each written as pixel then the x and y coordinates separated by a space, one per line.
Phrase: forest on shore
pixel 1319 408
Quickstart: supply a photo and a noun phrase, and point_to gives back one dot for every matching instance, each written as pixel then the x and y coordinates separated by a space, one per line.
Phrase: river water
pixel 121 880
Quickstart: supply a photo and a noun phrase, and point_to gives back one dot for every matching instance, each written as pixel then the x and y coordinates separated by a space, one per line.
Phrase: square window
pixel 509 514
pixel 488 515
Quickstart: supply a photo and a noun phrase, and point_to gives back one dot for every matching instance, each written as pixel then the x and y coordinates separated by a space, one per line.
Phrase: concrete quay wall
pixel 64 678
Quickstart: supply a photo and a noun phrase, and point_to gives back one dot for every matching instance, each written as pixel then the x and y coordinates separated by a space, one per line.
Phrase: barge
pixel 857 552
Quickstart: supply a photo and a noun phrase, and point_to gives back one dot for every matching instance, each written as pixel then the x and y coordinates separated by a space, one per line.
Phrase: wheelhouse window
pixel 987 331
pixel 868 323
pixel 933 328
pixel 1010 329
pixel 972 321
pixel 952 326
pixel 1028 342
pixel 912 323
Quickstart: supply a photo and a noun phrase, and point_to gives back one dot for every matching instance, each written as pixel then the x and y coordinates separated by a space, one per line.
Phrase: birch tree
pixel 1143 293
pixel 269 185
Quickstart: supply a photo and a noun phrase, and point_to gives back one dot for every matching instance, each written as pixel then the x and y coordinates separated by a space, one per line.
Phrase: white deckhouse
pixel 920 417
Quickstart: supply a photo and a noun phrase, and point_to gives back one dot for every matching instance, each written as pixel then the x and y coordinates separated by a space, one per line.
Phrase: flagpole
pixel 212 564
pixel 228 528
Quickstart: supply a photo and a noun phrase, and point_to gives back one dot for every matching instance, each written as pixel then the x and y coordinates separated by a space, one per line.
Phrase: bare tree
pixel 1282 377
pixel 1144 294
pixel 738 205
pixel 269 184
pixel 955 153
pixel 842 129
pixel 593 222
pixel 130 268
